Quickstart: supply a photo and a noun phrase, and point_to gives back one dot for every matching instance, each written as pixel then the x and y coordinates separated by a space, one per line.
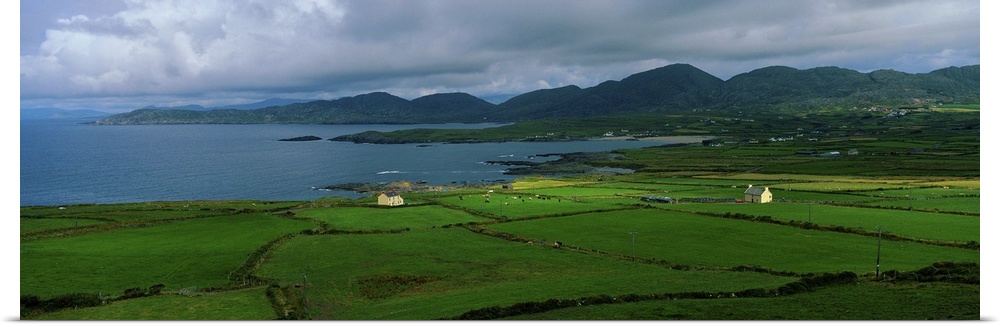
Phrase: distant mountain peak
pixel 184 107
pixel 668 89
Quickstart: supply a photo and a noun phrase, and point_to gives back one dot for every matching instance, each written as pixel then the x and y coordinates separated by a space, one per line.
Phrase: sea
pixel 66 162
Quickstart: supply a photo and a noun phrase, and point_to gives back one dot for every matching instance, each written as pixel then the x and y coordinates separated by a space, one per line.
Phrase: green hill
pixel 669 89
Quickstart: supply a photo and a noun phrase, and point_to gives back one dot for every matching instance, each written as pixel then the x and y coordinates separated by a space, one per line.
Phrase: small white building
pixel 390 198
pixel 757 194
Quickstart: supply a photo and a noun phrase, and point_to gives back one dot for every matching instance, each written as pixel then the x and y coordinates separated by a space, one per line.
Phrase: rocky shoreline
pixel 399 186
pixel 302 138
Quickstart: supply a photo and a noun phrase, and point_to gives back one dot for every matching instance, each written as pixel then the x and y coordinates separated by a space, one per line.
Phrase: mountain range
pixel 669 89
pixel 249 106
pixel 53 113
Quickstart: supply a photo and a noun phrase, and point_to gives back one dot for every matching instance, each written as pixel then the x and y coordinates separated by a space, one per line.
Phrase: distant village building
pixel 658 199
pixel 757 194
pixel 390 198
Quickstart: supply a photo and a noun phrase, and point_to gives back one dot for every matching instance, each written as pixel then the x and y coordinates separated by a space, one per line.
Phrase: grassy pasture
pixel 151 210
pixel 520 205
pixel 936 301
pixel 708 191
pixel 218 205
pixel 369 218
pixel 923 192
pixel 430 273
pixel 707 241
pixel 568 192
pixel 460 270
pixel 816 178
pixel 783 195
pixel 649 187
pixel 198 252
pixel 779 195
pixel 696 181
pixel 240 305
pixel 617 202
pixel 962 204
pixel 528 183
pixel 922 225
pixel 133 215
pixel 836 186
pixel 40 224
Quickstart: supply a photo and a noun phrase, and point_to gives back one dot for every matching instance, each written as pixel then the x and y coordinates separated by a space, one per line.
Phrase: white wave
pixel 390 172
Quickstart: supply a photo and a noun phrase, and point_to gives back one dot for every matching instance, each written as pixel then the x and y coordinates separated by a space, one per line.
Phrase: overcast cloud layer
pixel 122 55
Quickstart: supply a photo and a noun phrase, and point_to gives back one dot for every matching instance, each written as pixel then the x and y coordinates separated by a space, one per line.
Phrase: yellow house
pixel 757 194
pixel 390 198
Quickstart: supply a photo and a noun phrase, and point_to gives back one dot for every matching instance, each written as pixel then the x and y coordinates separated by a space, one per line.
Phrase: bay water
pixel 65 162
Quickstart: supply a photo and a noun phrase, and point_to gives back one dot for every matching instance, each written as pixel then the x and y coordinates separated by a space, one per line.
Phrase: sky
pixel 121 55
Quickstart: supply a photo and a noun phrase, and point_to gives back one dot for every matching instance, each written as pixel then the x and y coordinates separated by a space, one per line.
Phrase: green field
pixel 686 239
pixel 519 205
pixel 454 270
pixel 242 305
pixel 350 260
pixel 901 302
pixel 921 225
pixel 368 218
pixel 491 252
pixel 191 253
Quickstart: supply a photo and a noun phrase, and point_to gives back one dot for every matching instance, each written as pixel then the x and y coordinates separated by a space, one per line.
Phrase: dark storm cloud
pixel 214 52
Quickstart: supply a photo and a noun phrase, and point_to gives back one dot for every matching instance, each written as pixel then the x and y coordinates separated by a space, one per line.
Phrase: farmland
pixel 843 234
pixel 452 253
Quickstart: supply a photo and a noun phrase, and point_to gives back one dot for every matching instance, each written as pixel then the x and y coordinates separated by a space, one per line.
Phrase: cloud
pixel 222 50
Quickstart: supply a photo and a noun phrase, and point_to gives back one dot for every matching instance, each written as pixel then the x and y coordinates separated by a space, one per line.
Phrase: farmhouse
pixel 390 198
pixel 757 194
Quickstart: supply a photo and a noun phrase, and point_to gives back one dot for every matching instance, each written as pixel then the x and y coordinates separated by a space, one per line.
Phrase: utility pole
pixel 878 255
pixel 305 298
pixel 911 199
pixel 633 232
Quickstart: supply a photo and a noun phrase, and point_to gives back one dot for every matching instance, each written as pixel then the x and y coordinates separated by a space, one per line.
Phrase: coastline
pixel 684 139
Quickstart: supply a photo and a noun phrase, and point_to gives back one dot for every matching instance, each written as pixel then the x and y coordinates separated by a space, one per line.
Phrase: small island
pixel 302 138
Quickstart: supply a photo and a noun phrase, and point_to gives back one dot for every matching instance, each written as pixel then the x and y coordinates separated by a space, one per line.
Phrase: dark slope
pixel 666 89
pixel 790 88
pixel 455 107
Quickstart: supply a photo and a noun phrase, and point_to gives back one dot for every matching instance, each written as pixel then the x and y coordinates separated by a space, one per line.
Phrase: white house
pixel 390 198
pixel 757 194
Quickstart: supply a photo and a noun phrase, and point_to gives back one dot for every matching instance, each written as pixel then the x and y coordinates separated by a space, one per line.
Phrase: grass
pixel 569 192
pixel 863 301
pixel 961 204
pixel 383 218
pixel 837 186
pixel 191 253
pixel 922 225
pixel 249 304
pixel 533 183
pixel 718 242
pixel 430 268
pixel 468 271
pixel 519 205
pixel 650 187
pixel 41 224
pixel 924 192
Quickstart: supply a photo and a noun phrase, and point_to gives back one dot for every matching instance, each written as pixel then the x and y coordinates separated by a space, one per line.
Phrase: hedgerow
pixel 805 284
